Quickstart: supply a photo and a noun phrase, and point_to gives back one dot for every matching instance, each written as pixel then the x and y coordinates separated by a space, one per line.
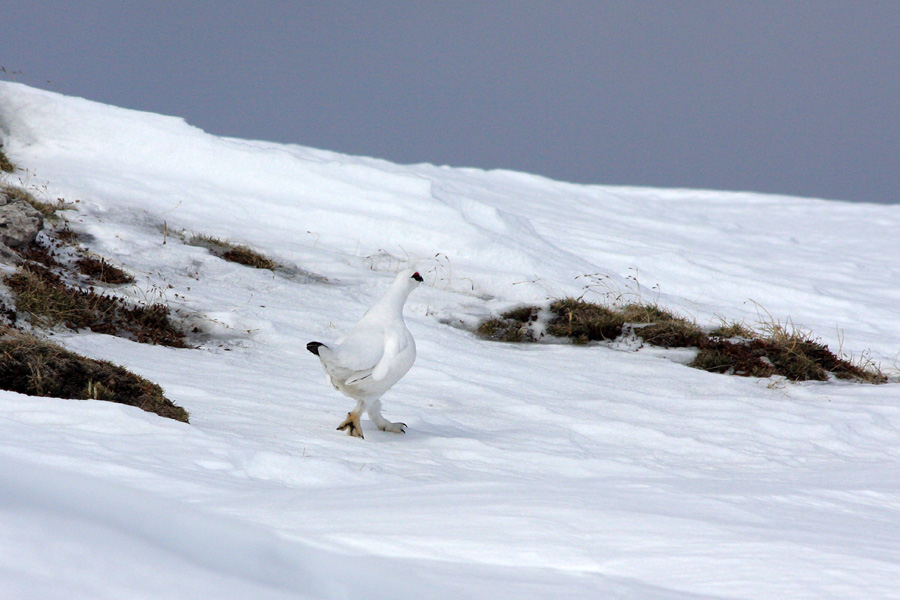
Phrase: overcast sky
pixel 798 98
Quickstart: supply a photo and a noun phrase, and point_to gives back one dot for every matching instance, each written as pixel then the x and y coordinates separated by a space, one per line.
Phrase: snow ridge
pixel 540 471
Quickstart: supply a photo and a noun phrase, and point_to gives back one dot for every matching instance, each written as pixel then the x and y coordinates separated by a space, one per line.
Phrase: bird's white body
pixel 371 357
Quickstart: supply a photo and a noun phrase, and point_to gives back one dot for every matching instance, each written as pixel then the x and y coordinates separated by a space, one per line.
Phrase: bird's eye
pixel 417 277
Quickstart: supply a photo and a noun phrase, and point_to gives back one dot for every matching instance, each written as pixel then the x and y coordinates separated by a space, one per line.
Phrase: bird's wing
pixel 336 361
pixel 395 343
pixel 360 349
pixel 357 353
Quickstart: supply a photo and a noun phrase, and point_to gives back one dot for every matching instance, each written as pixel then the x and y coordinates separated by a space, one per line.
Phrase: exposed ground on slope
pixel 732 349
pixel 32 366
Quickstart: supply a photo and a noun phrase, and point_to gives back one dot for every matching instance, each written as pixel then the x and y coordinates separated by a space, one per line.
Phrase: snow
pixel 527 471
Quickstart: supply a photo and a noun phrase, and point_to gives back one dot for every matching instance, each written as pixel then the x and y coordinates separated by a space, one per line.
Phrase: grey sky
pixel 788 97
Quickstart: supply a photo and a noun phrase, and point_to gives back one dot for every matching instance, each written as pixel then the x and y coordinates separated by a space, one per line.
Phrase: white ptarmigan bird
pixel 375 354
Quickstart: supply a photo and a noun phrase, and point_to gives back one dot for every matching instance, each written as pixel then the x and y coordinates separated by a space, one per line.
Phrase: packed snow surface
pixel 527 471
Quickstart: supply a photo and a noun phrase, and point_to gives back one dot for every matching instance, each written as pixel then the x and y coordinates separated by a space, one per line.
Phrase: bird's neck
pixel 391 304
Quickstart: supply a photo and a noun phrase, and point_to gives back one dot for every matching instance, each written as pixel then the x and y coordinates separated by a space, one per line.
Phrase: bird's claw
pixel 352 426
pixel 394 427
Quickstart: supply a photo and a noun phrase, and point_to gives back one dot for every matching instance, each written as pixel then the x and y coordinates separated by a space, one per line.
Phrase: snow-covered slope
pixel 540 471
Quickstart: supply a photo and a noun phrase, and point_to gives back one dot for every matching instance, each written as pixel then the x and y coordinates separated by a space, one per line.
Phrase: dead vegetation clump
pixel 232 252
pixel 244 255
pixel 660 327
pixel 6 165
pixel 729 358
pixel 29 365
pixel 584 321
pixel 53 287
pixel 99 269
pixel 95 268
pixel 790 354
pixel 733 330
pixel 730 348
pixel 47 299
pixel 512 326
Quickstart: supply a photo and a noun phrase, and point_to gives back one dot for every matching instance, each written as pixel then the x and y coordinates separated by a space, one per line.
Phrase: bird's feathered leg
pixel 351 423
pixel 374 410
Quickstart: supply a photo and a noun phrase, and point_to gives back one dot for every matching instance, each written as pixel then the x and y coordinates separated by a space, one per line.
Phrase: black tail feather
pixel 314 347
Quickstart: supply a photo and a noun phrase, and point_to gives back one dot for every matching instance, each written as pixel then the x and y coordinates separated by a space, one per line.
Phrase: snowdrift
pixel 540 471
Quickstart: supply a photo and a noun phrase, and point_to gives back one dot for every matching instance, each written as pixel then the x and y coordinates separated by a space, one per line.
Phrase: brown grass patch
pixel 511 326
pixel 232 252
pixel 661 327
pixel 29 365
pixel 6 165
pixel 99 269
pixel 42 296
pixel 584 321
pixel 795 357
pixel 730 348
pixel 733 330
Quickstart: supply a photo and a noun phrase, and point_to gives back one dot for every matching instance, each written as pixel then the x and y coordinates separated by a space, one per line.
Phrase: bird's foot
pixel 393 427
pixel 351 425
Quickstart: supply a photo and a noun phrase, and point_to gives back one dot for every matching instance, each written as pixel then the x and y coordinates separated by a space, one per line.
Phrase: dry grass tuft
pixel 791 354
pixel 733 359
pixel 29 365
pixel 730 348
pixel 661 327
pixel 733 330
pixel 64 235
pixel 232 252
pixel 584 321
pixel 511 326
pixel 588 321
pixel 6 165
pixel 46 299
pixel 99 269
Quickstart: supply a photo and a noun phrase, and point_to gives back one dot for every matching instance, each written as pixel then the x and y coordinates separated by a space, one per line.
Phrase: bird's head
pixel 408 279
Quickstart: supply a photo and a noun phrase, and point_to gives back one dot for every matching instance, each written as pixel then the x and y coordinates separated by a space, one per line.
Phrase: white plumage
pixel 375 354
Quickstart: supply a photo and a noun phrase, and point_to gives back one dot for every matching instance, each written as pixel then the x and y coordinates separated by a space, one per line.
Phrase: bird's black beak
pixel 417 277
